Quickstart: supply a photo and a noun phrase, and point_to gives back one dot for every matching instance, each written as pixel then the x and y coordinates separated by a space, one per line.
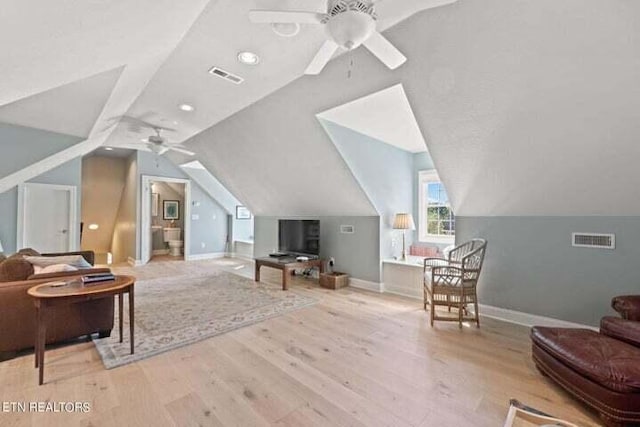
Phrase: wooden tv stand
pixel 287 265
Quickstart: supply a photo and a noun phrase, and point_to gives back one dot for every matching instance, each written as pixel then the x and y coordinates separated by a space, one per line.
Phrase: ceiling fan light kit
pixel 350 29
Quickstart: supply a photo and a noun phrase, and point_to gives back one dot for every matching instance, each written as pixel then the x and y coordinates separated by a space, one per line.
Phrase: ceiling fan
pixel 157 143
pixel 348 24
pixel 160 145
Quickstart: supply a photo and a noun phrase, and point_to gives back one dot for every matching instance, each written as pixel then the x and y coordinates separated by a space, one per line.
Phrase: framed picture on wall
pixel 171 209
pixel 242 212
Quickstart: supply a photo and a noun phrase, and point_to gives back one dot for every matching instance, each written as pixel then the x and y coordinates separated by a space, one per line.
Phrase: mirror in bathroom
pixel 155 204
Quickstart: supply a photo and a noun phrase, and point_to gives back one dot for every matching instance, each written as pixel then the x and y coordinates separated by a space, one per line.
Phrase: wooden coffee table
pixel 49 295
pixel 287 265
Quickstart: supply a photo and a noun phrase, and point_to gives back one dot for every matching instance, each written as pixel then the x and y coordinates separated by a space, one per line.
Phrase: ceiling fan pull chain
pixel 350 68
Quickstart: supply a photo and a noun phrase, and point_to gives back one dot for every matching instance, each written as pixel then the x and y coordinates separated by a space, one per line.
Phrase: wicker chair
pixel 452 281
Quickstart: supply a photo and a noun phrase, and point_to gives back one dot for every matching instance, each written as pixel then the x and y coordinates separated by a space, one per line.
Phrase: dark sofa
pixel 602 369
pixel 17 311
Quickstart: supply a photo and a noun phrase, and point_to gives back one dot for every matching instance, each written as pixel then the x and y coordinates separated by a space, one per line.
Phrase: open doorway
pixel 165 214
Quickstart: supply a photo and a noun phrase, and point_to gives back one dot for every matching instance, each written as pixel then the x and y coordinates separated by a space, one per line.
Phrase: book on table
pixel 97 278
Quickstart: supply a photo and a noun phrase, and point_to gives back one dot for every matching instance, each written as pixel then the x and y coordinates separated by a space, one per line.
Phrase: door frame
pixel 73 228
pixel 145 215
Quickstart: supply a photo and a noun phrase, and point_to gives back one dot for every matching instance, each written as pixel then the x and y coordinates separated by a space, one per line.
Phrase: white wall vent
pixel 347 229
pixel 593 240
pixel 226 75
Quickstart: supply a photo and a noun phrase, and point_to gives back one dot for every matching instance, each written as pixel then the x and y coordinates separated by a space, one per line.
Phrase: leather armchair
pixel 600 369
pixel 628 306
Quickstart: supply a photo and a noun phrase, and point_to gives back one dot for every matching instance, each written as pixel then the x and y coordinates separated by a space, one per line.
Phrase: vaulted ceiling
pixel 527 108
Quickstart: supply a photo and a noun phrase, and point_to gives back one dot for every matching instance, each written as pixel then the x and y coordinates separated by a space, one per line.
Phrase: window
pixel 437 221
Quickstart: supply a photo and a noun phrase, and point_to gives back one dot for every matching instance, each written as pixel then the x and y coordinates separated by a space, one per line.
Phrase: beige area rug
pixel 177 311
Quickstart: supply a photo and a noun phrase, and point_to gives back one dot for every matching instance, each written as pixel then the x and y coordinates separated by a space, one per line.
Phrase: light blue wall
pixel 240 229
pixel 23 146
pixel 211 228
pixel 531 266
pixel 386 176
pixel 356 254
pixel 69 173
pixel 209 232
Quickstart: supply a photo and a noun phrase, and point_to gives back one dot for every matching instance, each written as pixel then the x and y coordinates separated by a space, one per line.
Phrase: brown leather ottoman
pixel 601 371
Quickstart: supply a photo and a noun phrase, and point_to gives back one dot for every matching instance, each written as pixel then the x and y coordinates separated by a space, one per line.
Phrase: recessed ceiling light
pixel 108 148
pixel 93 226
pixel 186 107
pixel 248 58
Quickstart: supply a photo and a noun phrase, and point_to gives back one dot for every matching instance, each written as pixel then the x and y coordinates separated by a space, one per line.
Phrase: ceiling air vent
pixel 593 240
pixel 226 75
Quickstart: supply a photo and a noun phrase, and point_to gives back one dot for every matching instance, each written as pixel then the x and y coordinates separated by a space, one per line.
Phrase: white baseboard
pixel 404 293
pixel 239 256
pixel 365 284
pixel 527 319
pixel 160 252
pixel 134 262
pixel 210 255
pixel 506 315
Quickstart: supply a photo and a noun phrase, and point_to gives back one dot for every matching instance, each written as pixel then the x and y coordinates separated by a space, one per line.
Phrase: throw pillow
pixel 55 268
pixel 76 261
pixel 15 268
pixel 28 252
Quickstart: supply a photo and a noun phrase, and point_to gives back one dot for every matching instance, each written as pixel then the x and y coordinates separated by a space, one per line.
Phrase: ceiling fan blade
pixel 181 150
pixel 384 50
pixel 322 57
pixel 285 17
pixel 131 146
pixel 163 150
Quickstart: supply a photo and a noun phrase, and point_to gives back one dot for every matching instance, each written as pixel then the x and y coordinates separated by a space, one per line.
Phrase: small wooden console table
pixel 71 291
pixel 287 265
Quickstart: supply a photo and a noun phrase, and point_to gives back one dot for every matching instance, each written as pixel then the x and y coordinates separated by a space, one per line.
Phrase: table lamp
pixel 404 221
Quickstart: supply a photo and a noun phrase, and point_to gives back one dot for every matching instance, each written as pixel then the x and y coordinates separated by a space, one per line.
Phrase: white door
pixel 47 217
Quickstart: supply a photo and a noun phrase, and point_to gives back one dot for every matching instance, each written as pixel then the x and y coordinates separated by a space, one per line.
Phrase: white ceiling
pixel 528 108
pixel 518 101
pixel 215 39
pixel 385 115
pixel 70 109
pixel 48 44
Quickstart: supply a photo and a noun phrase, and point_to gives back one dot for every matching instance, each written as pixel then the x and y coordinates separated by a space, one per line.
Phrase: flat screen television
pixel 299 236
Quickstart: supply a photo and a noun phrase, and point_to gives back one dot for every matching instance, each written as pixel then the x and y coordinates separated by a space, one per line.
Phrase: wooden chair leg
pixel 424 295
pixel 461 302
pixel 475 304
pixel 432 312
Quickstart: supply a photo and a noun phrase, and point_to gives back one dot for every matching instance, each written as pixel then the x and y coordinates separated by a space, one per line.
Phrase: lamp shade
pixel 404 221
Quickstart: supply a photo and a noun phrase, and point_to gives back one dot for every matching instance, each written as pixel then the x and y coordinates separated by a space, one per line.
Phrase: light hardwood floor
pixel 354 359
